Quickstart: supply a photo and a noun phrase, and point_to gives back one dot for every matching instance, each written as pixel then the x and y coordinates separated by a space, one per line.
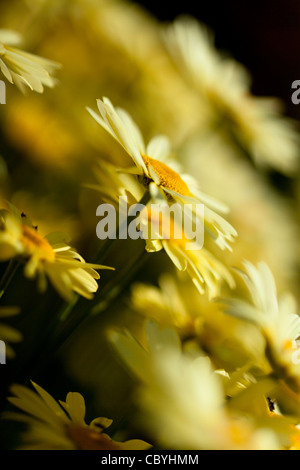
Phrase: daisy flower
pixel 206 271
pixel 8 334
pixel 184 408
pixel 182 398
pixel 255 124
pixel 164 303
pixel 155 171
pixel 203 268
pixel 22 68
pixel 277 318
pixel 53 425
pixel 49 256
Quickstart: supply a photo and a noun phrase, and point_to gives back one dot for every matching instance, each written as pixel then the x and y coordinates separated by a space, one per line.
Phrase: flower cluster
pixel 190 338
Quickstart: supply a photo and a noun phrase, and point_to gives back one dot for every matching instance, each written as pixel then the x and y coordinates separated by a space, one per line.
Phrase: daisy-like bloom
pixel 256 124
pixel 175 302
pixel 153 165
pixel 61 425
pixel 49 256
pixel 8 334
pixel 185 409
pixel 22 68
pixel 277 319
pixel 182 398
pixel 164 303
pixel 204 269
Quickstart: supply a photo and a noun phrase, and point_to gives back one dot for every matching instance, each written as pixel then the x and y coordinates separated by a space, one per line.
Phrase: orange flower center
pixel 35 244
pixel 85 438
pixel 165 227
pixel 288 345
pixel 168 177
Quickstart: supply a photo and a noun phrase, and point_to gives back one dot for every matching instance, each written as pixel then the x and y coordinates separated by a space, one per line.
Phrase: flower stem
pixel 73 314
pixel 110 241
pixel 111 291
pixel 8 276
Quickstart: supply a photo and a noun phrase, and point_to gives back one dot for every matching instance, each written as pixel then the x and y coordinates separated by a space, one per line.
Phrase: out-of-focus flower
pixel 153 165
pixel 44 257
pixel 229 341
pixel 163 303
pixel 22 68
pixel 185 409
pixel 138 355
pixel 44 135
pixel 8 334
pixel 264 218
pixel 182 398
pixel 255 124
pixel 277 318
pixel 61 425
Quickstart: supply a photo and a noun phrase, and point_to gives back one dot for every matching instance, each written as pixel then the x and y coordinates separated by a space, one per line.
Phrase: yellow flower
pixel 163 303
pixel 8 334
pixel 204 269
pixel 61 425
pixel 161 175
pixel 223 85
pixel 276 317
pixel 22 68
pixel 182 398
pixel 49 256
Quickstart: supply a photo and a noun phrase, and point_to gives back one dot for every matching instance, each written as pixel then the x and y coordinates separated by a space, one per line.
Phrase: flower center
pixel 168 177
pixel 288 345
pixel 35 244
pixel 86 438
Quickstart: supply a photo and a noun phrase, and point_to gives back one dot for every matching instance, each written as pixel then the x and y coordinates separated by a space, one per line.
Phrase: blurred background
pixel 261 35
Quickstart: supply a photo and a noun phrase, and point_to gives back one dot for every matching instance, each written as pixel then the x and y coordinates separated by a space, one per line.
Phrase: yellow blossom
pixel 49 256
pixel 22 68
pixel 158 172
pixel 254 124
pixel 53 425
pixel 276 317
pixel 182 397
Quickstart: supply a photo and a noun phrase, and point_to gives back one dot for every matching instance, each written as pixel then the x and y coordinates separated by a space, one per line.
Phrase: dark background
pixel 264 36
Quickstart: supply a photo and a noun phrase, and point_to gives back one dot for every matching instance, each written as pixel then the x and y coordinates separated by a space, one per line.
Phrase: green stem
pixel 110 241
pixel 57 342
pixel 8 276
pixel 112 292
pixel 73 314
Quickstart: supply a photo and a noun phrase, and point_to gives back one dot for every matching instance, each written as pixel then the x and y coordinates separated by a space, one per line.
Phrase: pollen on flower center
pixel 86 438
pixel 34 243
pixel 168 177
